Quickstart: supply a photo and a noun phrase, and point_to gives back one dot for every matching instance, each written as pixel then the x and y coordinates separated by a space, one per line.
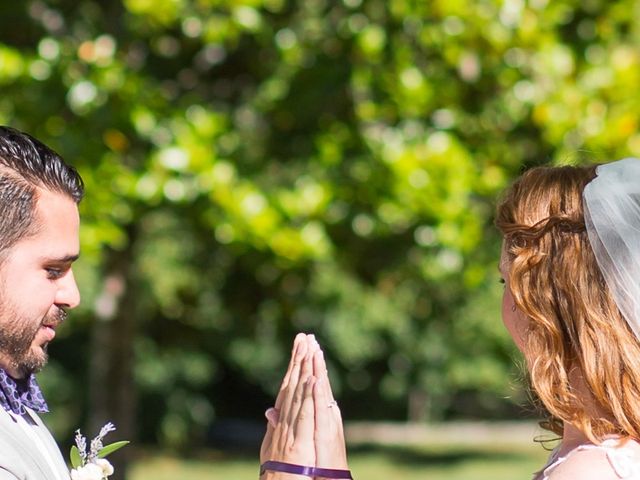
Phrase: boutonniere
pixel 91 464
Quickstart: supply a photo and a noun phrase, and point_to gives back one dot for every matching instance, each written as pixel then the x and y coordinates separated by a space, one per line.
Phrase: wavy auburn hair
pixel 577 341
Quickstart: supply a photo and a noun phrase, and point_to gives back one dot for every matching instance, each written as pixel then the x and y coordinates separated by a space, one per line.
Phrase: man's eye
pixel 53 273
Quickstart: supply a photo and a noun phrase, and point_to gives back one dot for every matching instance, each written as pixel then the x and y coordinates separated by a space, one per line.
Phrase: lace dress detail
pixel 623 460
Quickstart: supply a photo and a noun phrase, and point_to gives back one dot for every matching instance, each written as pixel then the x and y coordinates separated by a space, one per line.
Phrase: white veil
pixel 612 219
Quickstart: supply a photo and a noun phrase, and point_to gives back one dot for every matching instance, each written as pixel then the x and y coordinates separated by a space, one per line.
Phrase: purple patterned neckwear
pixel 15 395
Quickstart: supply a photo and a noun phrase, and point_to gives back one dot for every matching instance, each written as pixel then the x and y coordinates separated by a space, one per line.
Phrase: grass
pixel 370 462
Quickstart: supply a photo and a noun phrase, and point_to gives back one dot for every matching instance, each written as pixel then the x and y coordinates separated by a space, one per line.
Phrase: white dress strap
pixel 624 462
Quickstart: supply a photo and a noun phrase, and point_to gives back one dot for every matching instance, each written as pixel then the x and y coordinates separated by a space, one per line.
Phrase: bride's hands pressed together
pixel 305 437
pixel 290 428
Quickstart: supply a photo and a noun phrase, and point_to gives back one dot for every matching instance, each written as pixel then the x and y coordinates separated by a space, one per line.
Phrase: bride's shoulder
pixel 612 460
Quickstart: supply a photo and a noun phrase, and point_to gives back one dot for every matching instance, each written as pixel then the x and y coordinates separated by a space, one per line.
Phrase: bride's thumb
pixel 272 415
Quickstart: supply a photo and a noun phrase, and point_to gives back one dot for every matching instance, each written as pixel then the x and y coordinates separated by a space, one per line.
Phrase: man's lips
pixel 49 325
pixel 48 331
pixel 54 321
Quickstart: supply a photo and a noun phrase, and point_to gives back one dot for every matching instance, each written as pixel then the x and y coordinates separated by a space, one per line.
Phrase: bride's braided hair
pixel 577 342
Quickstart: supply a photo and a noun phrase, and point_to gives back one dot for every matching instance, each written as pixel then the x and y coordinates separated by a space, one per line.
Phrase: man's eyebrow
pixel 66 259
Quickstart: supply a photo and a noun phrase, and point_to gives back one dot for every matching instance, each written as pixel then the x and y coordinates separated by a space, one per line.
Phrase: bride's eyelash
pixel 502 281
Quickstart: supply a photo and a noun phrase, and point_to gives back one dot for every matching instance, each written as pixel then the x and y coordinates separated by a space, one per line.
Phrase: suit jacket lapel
pixel 51 446
pixel 26 450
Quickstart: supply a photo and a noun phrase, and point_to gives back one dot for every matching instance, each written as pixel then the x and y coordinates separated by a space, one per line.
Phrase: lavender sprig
pixel 81 443
pixel 96 443
pixel 92 465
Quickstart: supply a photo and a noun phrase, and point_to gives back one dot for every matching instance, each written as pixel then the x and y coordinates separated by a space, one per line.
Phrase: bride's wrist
pixel 293 471
pixel 282 476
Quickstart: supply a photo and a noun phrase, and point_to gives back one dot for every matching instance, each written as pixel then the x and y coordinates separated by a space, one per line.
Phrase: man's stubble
pixel 16 338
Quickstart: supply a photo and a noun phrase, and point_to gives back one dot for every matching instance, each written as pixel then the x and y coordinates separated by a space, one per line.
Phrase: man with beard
pixel 39 225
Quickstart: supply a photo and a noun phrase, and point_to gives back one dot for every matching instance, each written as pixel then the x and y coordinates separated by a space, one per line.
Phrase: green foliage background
pixel 259 167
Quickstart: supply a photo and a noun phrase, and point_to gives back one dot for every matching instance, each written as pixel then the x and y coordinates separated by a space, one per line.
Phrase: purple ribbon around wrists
pixel 303 470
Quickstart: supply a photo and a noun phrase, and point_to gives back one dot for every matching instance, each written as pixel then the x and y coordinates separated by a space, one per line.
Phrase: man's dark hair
pixel 27 165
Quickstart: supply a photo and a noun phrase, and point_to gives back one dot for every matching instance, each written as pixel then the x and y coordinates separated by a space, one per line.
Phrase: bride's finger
pixel 299 339
pixel 284 401
pixel 272 415
pixel 329 437
pixel 324 424
pixel 305 371
pixel 323 402
pixel 296 357
pixel 305 422
pixel 320 372
pixel 312 344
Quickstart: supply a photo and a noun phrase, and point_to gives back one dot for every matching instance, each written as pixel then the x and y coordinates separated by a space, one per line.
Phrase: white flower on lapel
pixel 91 465
pixel 107 468
pixel 90 471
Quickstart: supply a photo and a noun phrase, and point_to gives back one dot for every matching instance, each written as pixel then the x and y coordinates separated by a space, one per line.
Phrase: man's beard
pixel 17 336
